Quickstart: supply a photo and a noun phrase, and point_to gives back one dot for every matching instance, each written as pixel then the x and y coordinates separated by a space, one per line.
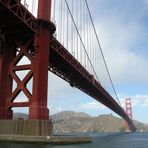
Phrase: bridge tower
pixel 128 109
pixel 36 48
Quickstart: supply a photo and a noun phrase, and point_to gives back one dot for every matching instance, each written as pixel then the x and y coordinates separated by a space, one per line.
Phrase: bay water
pixel 100 140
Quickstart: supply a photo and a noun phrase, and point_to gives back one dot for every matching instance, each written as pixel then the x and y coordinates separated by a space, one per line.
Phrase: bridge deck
pixel 64 65
pixel 20 24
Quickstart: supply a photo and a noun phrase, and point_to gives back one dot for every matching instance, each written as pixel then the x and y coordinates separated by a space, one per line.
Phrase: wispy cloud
pixel 120 36
pixel 92 106
pixel 146 2
pixel 138 100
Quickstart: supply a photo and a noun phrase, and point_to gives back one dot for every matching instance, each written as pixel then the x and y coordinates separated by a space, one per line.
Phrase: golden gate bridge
pixel 59 37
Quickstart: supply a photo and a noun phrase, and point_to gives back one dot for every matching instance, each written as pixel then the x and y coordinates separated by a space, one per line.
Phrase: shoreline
pixel 74 139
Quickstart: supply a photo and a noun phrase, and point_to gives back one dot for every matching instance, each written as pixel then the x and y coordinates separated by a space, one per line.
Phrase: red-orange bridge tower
pixel 22 35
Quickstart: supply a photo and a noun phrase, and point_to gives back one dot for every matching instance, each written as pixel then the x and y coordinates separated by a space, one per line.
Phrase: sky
pixel 122 28
pixel 123 33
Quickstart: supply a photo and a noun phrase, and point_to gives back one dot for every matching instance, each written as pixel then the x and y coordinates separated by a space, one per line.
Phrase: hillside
pixel 70 121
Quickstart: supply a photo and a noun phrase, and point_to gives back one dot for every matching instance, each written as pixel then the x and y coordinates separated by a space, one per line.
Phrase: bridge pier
pixel 38 108
pixel 38 111
pixel 39 123
pixel 26 127
pixel 6 56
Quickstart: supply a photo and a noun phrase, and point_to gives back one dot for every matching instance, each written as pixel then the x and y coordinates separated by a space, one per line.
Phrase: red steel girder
pixel 6 57
pixel 20 21
pixel 21 84
pixel 60 49
pixel 17 9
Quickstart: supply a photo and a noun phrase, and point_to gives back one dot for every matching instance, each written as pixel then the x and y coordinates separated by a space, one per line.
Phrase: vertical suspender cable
pixel 80 39
pixel 67 28
pixel 81 15
pixel 72 29
pixel 102 53
pixel 62 26
pixel 32 9
pixel 76 8
pixel 90 40
pixel 64 22
pixel 87 40
pixel 84 32
pixel 74 49
pixel 60 30
pixel 54 9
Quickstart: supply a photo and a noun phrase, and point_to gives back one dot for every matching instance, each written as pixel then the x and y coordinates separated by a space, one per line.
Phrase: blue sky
pixel 123 33
pixel 122 28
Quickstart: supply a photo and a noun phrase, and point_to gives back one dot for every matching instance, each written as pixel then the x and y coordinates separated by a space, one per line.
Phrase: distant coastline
pixel 71 122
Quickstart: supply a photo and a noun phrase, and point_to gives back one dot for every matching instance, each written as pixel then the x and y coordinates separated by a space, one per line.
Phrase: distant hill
pixel 65 115
pixel 141 126
pixel 70 121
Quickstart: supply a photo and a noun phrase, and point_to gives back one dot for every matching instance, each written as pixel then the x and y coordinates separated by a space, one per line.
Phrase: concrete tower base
pixel 26 127
pixel 36 131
